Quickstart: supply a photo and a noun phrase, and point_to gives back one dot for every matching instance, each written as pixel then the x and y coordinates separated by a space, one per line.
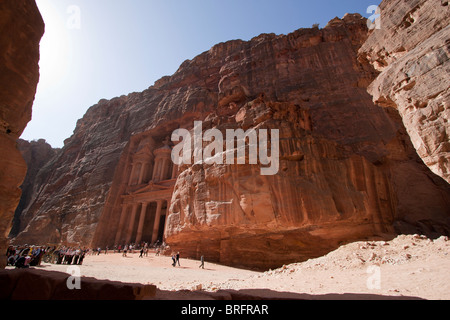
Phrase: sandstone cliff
pixel 412 52
pixel 36 155
pixel 21 28
pixel 348 169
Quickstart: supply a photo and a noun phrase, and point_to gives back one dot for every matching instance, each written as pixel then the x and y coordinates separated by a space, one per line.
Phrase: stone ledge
pixel 34 284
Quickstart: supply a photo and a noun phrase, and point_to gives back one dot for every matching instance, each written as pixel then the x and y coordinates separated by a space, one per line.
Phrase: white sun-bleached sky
pixel 96 49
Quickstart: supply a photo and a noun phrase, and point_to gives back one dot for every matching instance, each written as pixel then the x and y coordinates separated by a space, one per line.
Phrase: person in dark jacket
pixel 178 258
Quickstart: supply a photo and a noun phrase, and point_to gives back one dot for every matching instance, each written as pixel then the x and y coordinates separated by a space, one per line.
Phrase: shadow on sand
pixel 39 284
pixel 267 294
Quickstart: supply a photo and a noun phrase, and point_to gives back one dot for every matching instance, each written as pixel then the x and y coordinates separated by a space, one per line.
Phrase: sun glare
pixel 54 47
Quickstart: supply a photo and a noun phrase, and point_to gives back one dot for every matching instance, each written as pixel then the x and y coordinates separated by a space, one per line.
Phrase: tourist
pixel 80 260
pixel 202 260
pixel 13 255
pixel 64 255
pixel 60 254
pixel 77 256
pixel 27 261
pixel 125 249
pixel 146 249
pixel 11 260
pixel 36 256
pixel 69 256
pixel 178 258
pixel 174 259
pixel 142 252
pixel 21 263
pixel 10 251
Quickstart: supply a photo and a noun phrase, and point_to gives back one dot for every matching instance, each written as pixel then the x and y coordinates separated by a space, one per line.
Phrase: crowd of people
pixel 26 256
pixel 68 255
pixel 143 248
pixel 29 256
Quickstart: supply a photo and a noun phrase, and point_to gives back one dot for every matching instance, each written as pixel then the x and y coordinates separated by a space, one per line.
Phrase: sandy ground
pixel 408 266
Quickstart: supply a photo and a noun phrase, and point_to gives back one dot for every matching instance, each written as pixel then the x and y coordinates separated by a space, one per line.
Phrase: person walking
pixel 146 249
pixel 202 260
pixel 174 259
pixel 178 258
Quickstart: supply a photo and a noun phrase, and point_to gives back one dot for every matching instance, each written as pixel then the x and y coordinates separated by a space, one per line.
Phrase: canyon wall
pixel 21 28
pixel 412 52
pixel 348 169
pixel 36 155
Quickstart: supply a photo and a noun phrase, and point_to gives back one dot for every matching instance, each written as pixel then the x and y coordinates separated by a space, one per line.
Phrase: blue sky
pixel 95 49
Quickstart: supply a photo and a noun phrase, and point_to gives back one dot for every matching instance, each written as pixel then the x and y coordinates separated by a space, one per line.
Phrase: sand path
pixel 408 266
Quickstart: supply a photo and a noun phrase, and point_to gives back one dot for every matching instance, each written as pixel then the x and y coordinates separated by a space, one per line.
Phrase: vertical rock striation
pixel 36 155
pixel 348 169
pixel 412 53
pixel 21 28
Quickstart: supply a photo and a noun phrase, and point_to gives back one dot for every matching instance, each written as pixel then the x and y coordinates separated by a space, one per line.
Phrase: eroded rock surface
pixel 412 52
pixel 348 170
pixel 21 28
pixel 36 154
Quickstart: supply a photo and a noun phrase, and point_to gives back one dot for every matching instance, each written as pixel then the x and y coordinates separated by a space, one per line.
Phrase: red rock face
pixel 37 154
pixel 412 52
pixel 21 28
pixel 348 169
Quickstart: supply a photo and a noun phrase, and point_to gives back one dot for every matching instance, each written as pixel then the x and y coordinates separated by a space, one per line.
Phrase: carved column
pixel 141 223
pixel 156 169
pixel 162 158
pixel 174 171
pixel 161 164
pixel 149 174
pixel 131 224
pixel 123 216
pixel 157 221
pixel 130 181
pixel 169 201
pixel 163 170
pixel 141 173
pixel 144 174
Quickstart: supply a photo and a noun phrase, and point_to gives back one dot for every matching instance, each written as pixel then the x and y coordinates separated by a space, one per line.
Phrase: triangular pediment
pixel 151 187
pixel 143 151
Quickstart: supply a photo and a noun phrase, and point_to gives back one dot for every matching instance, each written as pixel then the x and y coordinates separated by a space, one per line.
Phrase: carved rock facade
pixel 348 170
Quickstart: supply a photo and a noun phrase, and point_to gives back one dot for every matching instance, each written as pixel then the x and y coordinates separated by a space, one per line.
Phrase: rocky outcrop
pixel 21 27
pixel 348 169
pixel 79 179
pixel 412 53
pixel 34 284
pixel 36 154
